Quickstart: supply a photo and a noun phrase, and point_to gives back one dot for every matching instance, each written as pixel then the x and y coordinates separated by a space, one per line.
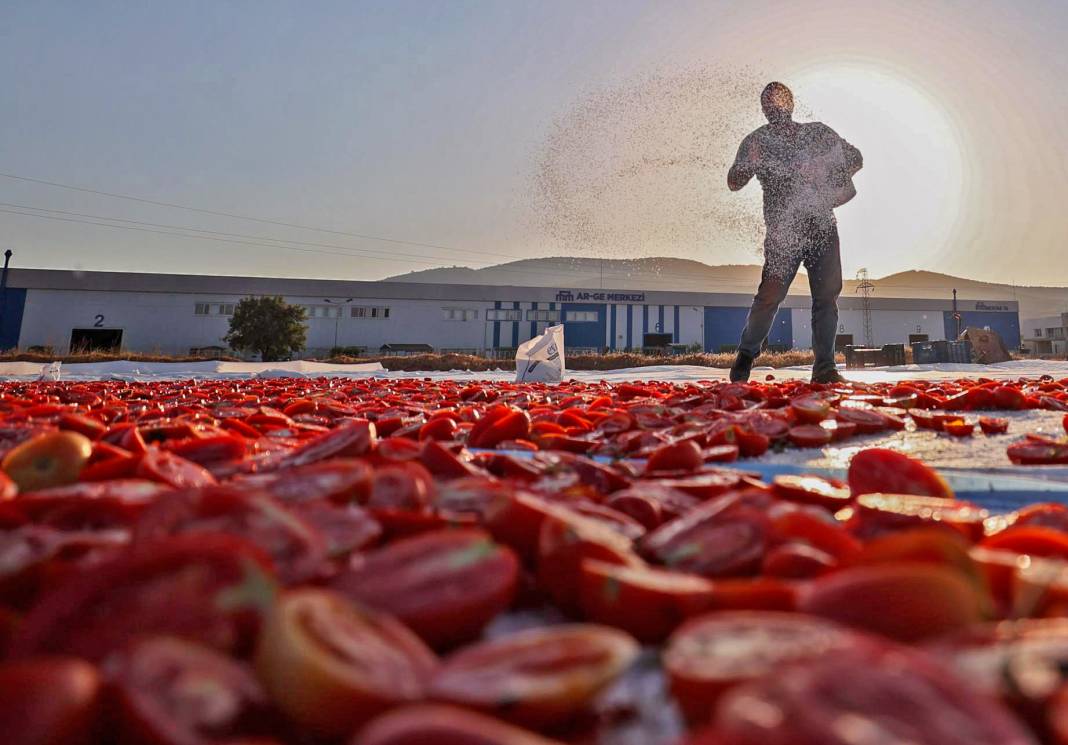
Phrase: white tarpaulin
pixel 542 358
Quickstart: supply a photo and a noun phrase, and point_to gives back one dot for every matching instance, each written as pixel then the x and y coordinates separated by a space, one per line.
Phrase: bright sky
pixel 496 130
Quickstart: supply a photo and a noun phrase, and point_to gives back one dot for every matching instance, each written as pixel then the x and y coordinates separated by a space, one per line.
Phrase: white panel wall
pixel 888 326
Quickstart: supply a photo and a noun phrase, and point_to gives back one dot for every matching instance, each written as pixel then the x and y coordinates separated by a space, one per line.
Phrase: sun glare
pixel 909 193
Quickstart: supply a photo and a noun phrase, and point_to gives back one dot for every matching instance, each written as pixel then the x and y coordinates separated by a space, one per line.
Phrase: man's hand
pixel 744 164
pixel 737 177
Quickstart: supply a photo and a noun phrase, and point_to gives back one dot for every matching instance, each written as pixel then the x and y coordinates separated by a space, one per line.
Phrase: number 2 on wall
pixel 98 321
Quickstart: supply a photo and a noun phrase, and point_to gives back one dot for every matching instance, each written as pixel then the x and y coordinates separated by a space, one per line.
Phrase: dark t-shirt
pixel 805 169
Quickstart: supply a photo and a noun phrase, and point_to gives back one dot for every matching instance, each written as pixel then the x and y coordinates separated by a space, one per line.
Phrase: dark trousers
pixel 814 243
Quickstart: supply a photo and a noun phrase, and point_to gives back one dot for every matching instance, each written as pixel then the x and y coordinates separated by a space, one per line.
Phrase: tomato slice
pixel 647 603
pixel 172 470
pixel 446 585
pixel 868 421
pixel 879 513
pixel 354 439
pixel 852 696
pixel 339 479
pixel 207 588
pixel 537 678
pixel 714 652
pixel 891 472
pixel 808 489
pixel 724 537
pixel 297 550
pixel 169 690
pixel 907 601
pixel 809 436
pixel 683 455
pixel 331 665
pixel 958 428
pixel 811 409
pixel 993 425
pixel 50 700
pixel 421 724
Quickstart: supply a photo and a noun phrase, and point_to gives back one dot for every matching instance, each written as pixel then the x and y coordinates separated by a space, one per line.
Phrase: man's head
pixel 777 102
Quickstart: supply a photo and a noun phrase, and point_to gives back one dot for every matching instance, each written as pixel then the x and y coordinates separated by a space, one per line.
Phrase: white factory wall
pixel 888 326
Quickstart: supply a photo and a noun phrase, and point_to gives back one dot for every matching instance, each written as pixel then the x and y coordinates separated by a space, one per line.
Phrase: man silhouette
pixel 805 170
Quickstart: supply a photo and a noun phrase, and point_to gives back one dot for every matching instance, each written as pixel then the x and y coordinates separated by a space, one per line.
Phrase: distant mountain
pixel 665 273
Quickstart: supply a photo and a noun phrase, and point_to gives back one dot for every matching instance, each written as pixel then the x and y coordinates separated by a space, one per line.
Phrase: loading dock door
pixel 95 340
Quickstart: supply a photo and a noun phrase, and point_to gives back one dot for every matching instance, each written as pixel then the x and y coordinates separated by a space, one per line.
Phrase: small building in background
pixel 1046 336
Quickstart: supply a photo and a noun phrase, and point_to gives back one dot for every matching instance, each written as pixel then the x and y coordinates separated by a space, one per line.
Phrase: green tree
pixel 267 325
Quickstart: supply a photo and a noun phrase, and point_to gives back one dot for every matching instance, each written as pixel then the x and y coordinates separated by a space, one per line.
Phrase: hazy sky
pixel 513 129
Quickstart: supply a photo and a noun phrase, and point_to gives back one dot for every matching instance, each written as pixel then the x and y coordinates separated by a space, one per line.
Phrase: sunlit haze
pixel 479 132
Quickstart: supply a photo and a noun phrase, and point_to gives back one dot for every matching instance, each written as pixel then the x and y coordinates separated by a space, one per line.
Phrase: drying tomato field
pixel 401 562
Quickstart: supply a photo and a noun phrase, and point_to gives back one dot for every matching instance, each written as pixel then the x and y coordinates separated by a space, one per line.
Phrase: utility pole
pixel 3 289
pixel 956 315
pixel 866 288
pixel 337 318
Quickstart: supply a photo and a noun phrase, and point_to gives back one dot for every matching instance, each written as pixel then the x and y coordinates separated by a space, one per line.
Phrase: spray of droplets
pixel 640 169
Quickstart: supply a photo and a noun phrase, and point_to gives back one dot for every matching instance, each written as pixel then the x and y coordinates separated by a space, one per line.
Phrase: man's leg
pixel 778 274
pixel 824 266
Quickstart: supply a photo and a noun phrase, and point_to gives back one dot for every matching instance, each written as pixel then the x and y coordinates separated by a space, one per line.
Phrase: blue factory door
pixel 585 324
pixel 723 327
pixel 11 319
pixel 1007 325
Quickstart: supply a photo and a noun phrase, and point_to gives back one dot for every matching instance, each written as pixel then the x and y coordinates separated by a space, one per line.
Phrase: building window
pixel 581 316
pixel 202 309
pixel 498 314
pixel 366 311
pixel 1038 332
pixel 549 316
pixel 226 309
pixel 459 314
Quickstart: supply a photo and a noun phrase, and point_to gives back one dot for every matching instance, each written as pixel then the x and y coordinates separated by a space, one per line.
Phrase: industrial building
pixel 174 314
pixel 1046 336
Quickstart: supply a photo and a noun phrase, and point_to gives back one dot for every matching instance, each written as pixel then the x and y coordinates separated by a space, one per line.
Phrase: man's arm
pixel 854 160
pixel 745 164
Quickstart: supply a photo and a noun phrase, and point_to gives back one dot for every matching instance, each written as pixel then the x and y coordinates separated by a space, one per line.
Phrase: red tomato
pixel 332 666
pixel 1007 397
pixel 441 428
pixel 891 472
pixel 714 652
pixel 684 455
pixel 509 424
pixel 407 485
pixel 724 537
pixel 811 409
pixel 797 560
pixel 421 724
pixel 207 450
pixel 566 540
pixel 1034 540
pixel 809 436
pixel 993 426
pixel 867 421
pixel 958 428
pixel 537 678
pixel 296 549
pixel 176 472
pixel 878 513
pixel 647 603
pixel 169 690
pixel 206 588
pixel 445 585
pixel 1038 453
pixel 818 490
pixel 339 480
pixel 50 701
pixel 353 439
pixel 906 601
pixel 894 695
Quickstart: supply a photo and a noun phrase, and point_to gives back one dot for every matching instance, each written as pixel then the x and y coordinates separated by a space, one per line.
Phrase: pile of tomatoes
pixel 406 562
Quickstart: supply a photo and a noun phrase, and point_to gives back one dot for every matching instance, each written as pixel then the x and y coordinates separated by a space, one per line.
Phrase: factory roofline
pixel 207 284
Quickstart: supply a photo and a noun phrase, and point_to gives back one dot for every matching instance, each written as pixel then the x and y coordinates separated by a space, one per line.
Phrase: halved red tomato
pixel 331 665
pixel 1034 540
pixel 1031 453
pixel 209 588
pixel 906 601
pixel 811 409
pixel 714 652
pixel 880 513
pixel 724 537
pixel 993 425
pixel 172 470
pixel 540 677
pixel 808 489
pixel 958 427
pixel 421 724
pixel 446 585
pixel 50 701
pixel 894 694
pixel 169 690
pixel 356 438
pixel 809 436
pixel 297 550
pixel 891 472
pixel 645 602
pixel 338 479
pixel 683 455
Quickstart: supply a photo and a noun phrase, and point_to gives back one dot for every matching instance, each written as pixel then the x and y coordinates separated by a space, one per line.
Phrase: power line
pixel 235 216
